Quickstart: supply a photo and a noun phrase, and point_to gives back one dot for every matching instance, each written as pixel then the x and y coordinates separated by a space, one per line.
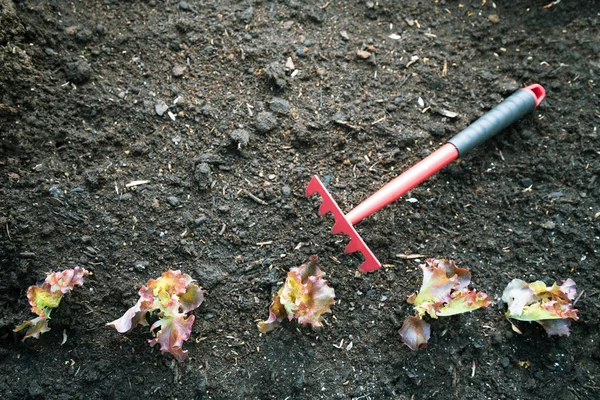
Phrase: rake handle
pixel 522 102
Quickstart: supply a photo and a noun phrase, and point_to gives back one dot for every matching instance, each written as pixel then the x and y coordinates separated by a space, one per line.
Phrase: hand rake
pixel 498 118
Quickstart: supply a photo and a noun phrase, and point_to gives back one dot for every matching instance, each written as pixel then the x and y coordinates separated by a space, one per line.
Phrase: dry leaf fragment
pixel 446 113
pixel 363 54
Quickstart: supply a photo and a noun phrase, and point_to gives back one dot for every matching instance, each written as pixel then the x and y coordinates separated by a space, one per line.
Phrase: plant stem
pixel 310 269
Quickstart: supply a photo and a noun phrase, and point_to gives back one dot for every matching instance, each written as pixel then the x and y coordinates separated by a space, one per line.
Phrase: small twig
pixel 578 297
pixel 410 256
pixel 378 121
pixel 404 81
pixel 447 230
pixel 256 199
pixel 8 232
pixel 261 244
pixel 136 183
pixel 347 125
pixel 501 155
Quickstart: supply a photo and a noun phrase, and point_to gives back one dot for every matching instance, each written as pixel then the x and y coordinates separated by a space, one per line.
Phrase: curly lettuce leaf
pixel 550 307
pixel 66 280
pixel 305 296
pixel 462 302
pixel 276 314
pixel 43 299
pixel 35 326
pixel 445 290
pixel 175 329
pixel 436 288
pixel 191 298
pixel 134 316
pixel 415 333
pixel 171 292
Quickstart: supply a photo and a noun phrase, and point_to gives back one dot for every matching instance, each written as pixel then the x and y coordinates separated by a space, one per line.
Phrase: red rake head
pixel 342 225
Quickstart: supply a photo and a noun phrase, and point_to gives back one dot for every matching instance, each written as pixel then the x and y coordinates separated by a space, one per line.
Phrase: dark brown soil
pixel 80 82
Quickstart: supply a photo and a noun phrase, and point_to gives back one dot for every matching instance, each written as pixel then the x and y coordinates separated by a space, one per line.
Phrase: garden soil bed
pixel 195 98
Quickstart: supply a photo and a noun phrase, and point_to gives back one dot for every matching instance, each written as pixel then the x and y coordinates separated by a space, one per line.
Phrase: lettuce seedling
pixel 444 292
pixel 45 298
pixel 167 295
pixel 550 307
pixel 304 296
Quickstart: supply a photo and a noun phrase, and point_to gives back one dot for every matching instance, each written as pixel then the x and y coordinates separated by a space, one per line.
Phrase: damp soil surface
pixel 225 109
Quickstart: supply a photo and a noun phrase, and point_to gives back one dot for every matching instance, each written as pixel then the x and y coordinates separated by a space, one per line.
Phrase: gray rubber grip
pixel 498 118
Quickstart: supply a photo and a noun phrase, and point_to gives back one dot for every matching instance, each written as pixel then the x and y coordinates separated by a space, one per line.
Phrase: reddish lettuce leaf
pixel 444 292
pixel 43 299
pixel 415 333
pixel 461 302
pixel 174 330
pixel 304 296
pixel 166 295
pixel 35 326
pixel 550 307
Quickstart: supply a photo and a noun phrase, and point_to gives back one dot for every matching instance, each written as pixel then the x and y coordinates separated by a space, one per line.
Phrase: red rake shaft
pixel 510 110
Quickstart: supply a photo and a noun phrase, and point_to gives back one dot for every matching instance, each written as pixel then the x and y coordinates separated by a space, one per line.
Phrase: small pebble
pixel 203 176
pixel 526 182
pixel 140 266
pixel 178 71
pixel 280 106
pixel 286 191
pixel 84 36
pixel 289 64
pixel 240 136
pixel 185 6
pixel 302 52
pixel 247 14
pixel 56 192
pixel 79 72
pixel 173 201
pixel 205 110
pixel 160 108
pixel 265 122
pixel 34 389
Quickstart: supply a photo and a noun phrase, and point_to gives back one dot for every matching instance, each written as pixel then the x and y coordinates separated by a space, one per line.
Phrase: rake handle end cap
pixel 538 92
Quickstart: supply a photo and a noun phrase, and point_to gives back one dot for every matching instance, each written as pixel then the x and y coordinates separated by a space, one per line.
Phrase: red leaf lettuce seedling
pixel 45 298
pixel 550 307
pixel 166 295
pixel 304 296
pixel 444 292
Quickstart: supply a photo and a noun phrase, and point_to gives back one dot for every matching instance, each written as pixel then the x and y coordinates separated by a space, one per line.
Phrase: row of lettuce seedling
pixel 306 296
